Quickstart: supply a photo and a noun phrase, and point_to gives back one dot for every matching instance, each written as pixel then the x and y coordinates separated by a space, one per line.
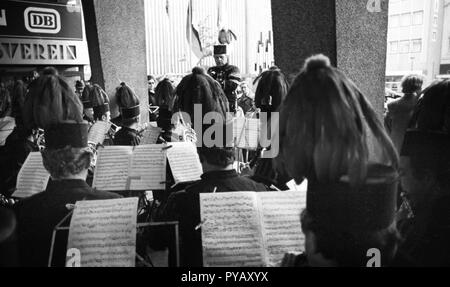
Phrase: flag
pixel 192 35
pixel 167 8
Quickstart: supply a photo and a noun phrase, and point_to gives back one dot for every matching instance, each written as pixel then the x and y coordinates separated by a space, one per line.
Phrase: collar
pixel 58 185
pixel 219 174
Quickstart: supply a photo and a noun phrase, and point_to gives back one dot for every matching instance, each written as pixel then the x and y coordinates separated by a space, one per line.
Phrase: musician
pixel 19 143
pixel 199 88
pixel 128 102
pixel 426 180
pixel 245 101
pixel 271 90
pixel 225 74
pixel 351 202
pixel 218 176
pixel 88 111
pixel 100 104
pixel 79 87
pixel 152 97
pixel 165 96
pixel 53 106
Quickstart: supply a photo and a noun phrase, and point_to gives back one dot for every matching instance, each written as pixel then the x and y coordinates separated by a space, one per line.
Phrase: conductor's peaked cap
pixel 220 49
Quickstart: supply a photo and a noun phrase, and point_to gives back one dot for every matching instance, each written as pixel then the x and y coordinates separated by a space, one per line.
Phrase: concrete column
pixel 116 38
pixel 353 36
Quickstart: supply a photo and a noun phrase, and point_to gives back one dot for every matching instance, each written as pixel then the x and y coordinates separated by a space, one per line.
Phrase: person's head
pixel 425 151
pixel 324 127
pixel 128 103
pixel 54 107
pixel 100 104
pixel 272 89
pixel 164 93
pixel 5 100
pixel 79 87
pixel 88 110
pixel 220 55
pixel 151 81
pixel 245 89
pixel 218 154
pixel 412 84
pixel 200 88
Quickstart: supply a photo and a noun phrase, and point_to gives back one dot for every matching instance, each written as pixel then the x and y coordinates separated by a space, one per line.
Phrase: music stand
pixel 174 224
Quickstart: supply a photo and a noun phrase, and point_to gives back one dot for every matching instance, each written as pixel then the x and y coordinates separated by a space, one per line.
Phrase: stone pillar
pixel 116 38
pixel 352 34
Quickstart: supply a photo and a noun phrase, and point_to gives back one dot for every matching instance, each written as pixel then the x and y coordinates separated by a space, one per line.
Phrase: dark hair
pixel 67 161
pixel 51 101
pixel 412 84
pixel 432 114
pixel 50 71
pixel 322 128
pixel 5 101
pixel 150 77
pixel 349 247
pixel 272 89
pixel 18 95
pixel 200 88
pixel 221 157
pixel 86 94
pixel 164 93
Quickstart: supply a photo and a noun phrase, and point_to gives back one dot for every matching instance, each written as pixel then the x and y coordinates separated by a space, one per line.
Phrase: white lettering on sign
pixel 3 17
pixel 24 51
pixel 42 20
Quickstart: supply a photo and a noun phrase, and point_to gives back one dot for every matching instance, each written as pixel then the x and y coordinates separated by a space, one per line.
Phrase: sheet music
pixel 148 168
pixel 98 131
pixel 281 220
pixel 7 125
pixel 150 135
pixel 111 171
pixel 184 162
pixel 32 177
pixel 246 132
pixel 231 234
pixel 104 231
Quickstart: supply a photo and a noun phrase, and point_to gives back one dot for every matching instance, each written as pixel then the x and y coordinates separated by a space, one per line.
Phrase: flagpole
pixel 190 34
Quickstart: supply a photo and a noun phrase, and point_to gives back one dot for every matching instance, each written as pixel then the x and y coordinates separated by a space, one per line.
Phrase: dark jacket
pixel 39 214
pixel 127 137
pixel 247 104
pixel 184 207
pixel 222 74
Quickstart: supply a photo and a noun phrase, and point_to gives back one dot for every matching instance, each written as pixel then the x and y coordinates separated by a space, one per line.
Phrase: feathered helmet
pixel 128 102
pixel 99 100
pixel 324 128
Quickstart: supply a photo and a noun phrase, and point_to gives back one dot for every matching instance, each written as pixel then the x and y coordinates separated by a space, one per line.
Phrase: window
pixel 434 36
pixel 418 18
pixel 436 6
pixel 435 21
pixel 416 46
pixel 403 46
pixel 394 21
pixel 393 47
pixel 405 19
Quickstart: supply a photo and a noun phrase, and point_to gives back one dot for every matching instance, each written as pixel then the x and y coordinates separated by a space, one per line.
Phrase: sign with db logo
pixel 42 20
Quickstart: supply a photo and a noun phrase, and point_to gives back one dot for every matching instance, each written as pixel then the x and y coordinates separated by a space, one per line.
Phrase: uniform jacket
pixel 39 214
pixel 127 137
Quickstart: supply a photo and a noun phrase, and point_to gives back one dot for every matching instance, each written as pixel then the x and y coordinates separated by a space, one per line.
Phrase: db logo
pixel 42 20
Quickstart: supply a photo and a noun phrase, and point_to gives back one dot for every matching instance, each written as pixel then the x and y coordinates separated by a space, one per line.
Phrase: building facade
pixel 414 39
pixel 445 61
